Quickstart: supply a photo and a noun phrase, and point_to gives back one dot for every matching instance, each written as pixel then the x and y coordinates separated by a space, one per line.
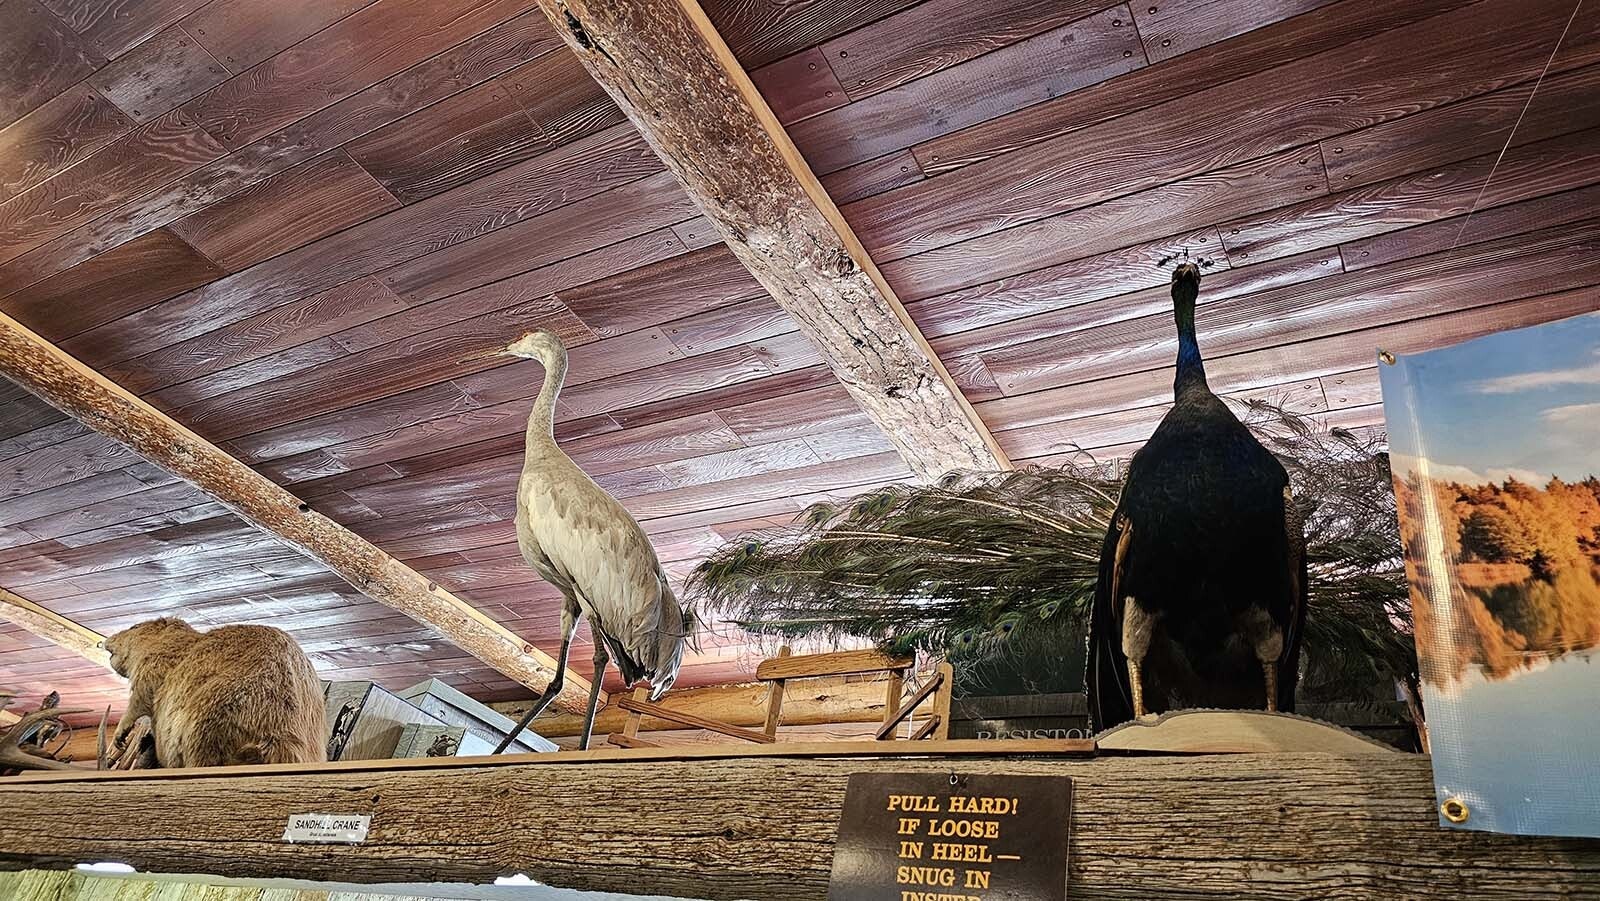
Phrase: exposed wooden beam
pixel 101 404
pixel 743 821
pixel 671 72
pixel 53 628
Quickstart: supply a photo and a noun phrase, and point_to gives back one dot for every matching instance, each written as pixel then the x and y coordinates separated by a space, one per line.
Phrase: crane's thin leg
pixel 1267 639
pixel 601 658
pixel 1138 627
pixel 569 624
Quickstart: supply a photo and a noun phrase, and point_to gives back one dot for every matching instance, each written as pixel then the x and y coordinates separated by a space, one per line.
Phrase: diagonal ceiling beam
pixel 101 404
pixel 671 72
pixel 79 639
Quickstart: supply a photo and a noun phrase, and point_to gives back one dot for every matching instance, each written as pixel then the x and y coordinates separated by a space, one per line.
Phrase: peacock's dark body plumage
pixel 1208 548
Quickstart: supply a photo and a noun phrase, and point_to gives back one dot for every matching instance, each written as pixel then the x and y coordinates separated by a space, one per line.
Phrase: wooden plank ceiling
pixel 295 226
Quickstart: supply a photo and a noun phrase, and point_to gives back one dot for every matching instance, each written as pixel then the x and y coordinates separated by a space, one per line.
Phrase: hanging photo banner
pixel 952 837
pixel 1495 447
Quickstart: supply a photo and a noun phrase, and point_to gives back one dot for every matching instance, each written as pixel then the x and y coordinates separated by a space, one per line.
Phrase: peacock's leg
pixel 1267 639
pixel 1138 626
pixel 601 658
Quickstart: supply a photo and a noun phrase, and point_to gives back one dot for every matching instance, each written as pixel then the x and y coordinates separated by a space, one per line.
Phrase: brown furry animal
pixel 234 695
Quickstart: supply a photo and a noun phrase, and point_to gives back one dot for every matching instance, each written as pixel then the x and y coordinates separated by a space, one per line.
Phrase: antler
pixel 12 756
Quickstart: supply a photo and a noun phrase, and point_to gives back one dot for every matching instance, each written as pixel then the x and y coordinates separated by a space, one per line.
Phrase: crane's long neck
pixel 1191 369
pixel 542 421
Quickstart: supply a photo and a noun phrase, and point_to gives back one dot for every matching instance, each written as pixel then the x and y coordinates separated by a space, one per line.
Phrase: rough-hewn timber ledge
pixel 703 823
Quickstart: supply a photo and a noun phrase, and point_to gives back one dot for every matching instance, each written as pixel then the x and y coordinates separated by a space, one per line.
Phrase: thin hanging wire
pixel 1534 93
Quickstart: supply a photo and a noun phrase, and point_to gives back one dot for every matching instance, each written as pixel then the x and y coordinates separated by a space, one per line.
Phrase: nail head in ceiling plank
pixel 86 395
pixel 723 142
pixel 59 630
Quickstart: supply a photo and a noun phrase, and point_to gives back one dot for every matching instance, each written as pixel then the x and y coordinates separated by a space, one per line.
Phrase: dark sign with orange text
pixel 952 837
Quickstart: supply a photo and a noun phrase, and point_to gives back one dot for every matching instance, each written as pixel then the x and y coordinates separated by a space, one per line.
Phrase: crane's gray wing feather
pixel 592 542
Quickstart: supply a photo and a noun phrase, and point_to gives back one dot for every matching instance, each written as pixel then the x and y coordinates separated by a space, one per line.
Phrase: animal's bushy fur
pixel 233 695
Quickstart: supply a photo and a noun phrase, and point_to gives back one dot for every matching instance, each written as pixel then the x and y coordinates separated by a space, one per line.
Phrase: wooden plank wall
pixel 298 229
pixel 1018 168
pixel 322 251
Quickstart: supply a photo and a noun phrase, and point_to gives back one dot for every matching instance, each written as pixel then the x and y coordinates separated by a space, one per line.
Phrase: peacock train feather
pixel 985 566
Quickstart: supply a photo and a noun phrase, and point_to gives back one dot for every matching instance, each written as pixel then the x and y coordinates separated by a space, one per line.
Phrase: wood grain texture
pixel 562 99
pixel 353 53
pixel 161 73
pixel 1481 125
pixel 890 171
pixel 80 492
pixel 1075 282
pixel 1552 261
pixel 145 158
pixel 1008 79
pixel 291 209
pixel 623 212
pixel 1483 225
pixel 244 375
pixel 65 129
pixel 116 26
pixel 139 505
pixel 450 143
pixel 1265 183
pixel 939 34
pixel 370 375
pixel 1174 27
pixel 522 191
pixel 241 33
pixel 799 86
pixel 262 335
pixel 59 464
pixel 1264 368
pixel 39 58
pixel 753 320
pixel 462 66
pixel 577 270
pixel 679 286
pixel 1217 126
pixel 760 33
pixel 1080 311
pixel 1331 26
pixel 1263 801
pixel 1523 173
pixel 99 290
pixel 393 413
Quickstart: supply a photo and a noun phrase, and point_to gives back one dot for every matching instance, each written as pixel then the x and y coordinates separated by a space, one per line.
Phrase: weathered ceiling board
pixel 306 268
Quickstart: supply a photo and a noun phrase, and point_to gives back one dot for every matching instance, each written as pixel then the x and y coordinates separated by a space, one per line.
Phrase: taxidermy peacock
pixel 997 571
pixel 1201 595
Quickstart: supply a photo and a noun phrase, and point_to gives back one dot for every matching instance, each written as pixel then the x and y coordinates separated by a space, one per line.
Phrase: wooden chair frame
pixel 778 671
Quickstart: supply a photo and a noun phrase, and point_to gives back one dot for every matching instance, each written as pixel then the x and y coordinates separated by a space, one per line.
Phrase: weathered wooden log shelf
pixel 758 822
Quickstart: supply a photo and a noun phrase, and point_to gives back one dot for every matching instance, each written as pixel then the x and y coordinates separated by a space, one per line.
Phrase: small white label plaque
pixel 327 828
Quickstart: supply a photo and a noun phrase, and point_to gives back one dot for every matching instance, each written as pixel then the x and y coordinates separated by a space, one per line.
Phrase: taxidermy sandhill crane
pixel 579 539
pixel 1202 587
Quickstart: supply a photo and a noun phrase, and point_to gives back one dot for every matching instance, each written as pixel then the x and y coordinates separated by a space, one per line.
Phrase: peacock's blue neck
pixel 1191 369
